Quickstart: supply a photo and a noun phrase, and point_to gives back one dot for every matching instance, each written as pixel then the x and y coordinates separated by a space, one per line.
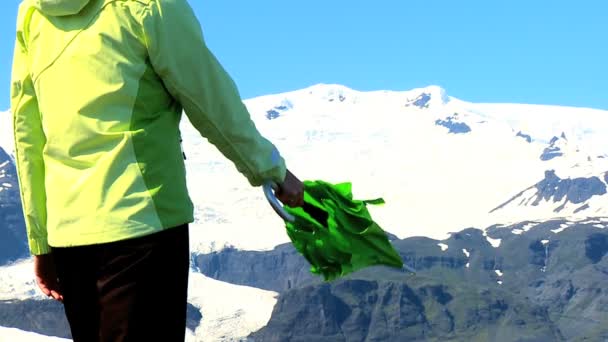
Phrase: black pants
pixel 131 290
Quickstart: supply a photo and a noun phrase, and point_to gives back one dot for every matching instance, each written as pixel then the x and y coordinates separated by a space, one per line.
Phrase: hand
pixel 291 191
pixel 46 276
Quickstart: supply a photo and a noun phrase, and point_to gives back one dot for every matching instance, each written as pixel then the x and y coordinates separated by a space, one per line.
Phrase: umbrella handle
pixel 274 202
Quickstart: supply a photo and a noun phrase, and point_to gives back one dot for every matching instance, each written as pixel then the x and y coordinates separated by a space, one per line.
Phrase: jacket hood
pixel 59 8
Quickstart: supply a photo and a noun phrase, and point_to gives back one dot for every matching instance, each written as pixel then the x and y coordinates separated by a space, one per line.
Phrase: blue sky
pixel 544 52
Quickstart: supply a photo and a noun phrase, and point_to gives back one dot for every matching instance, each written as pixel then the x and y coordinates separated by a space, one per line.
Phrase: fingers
pixel 46 276
pixel 291 191
pixel 51 292
pixel 293 201
pixel 44 288
pixel 56 295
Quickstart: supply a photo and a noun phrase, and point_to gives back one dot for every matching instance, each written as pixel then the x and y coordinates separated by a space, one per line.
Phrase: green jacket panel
pixel 97 96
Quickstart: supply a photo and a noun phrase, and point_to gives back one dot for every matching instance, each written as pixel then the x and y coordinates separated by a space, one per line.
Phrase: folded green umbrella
pixel 336 233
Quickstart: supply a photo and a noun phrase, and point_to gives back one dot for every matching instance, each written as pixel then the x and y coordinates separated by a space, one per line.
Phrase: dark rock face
pixel 276 111
pixel 453 126
pixel 596 247
pixel 577 190
pixel 422 101
pixel 340 98
pixel 349 311
pixel 47 317
pixel 555 189
pixel 527 137
pixel 8 177
pixel 13 239
pixel 549 287
pixel 438 292
pixel 538 253
pixel 272 114
pixel 550 153
pixel 193 317
pixel 373 310
pixel 258 269
pixel 553 151
pixel 581 208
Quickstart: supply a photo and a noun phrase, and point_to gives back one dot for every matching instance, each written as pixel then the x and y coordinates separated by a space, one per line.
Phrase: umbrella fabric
pixel 336 233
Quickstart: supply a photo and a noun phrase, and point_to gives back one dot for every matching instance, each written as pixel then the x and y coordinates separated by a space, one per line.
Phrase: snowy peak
pixel 335 96
pixel 567 197
pixel 426 97
pixel 426 152
pixel 332 92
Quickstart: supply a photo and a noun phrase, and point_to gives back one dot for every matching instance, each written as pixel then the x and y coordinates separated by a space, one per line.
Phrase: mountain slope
pixel 440 163
pixel 542 281
pixel 13 240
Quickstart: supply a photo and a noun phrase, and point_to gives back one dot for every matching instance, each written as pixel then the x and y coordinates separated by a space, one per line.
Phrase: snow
pixel 591 221
pixel 6 133
pixel 230 312
pixel 494 242
pixel 543 122
pixel 524 228
pixel 561 228
pixel 13 335
pixel 443 246
pixel 486 166
pixel 17 281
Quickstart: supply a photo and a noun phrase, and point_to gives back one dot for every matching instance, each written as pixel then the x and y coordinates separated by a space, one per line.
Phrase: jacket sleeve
pixel 210 98
pixel 29 143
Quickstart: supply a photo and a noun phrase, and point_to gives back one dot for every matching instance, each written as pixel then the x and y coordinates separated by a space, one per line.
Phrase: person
pixel 97 93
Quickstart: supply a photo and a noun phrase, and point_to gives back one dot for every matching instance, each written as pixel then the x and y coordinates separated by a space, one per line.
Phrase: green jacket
pixel 97 93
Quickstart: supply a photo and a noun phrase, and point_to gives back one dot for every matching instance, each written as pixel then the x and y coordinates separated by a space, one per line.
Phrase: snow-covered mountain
pixel 441 164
